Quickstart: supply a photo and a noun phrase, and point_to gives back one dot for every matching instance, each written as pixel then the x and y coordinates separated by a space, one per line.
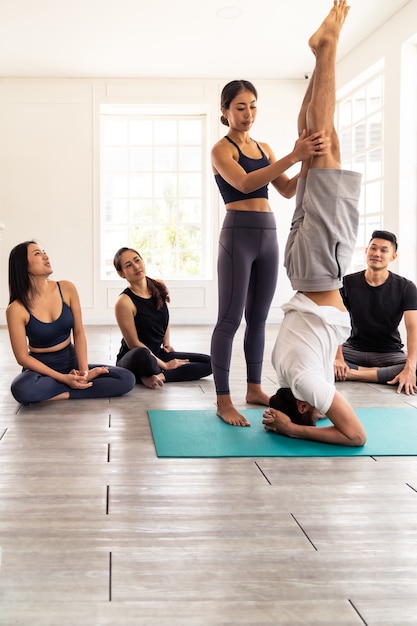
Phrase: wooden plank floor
pixel 96 530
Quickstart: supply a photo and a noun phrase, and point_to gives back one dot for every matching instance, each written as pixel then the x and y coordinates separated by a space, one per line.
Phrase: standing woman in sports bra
pixel 248 248
pixel 47 336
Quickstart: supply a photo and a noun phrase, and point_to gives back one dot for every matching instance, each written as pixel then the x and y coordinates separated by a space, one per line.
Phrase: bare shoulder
pixel 124 303
pixel 67 288
pixel 222 146
pixel 67 284
pixel 222 154
pixel 16 311
pixel 267 150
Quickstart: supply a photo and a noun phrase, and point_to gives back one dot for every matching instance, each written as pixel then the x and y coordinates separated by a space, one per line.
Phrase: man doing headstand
pixel 318 253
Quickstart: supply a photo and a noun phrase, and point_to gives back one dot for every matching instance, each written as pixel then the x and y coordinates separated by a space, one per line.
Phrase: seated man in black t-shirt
pixel 377 300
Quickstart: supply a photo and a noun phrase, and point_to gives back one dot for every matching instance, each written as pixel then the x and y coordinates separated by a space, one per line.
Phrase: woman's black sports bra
pixel 229 193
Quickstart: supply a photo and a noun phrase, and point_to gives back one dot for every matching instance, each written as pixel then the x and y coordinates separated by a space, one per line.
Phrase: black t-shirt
pixel 376 312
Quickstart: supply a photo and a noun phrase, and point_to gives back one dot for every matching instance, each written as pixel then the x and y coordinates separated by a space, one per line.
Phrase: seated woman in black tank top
pixel 47 336
pixel 143 317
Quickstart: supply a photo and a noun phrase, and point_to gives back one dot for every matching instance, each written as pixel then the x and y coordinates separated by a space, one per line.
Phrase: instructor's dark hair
pixel 385 234
pixel 230 91
pixel 20 287
pixel 285 402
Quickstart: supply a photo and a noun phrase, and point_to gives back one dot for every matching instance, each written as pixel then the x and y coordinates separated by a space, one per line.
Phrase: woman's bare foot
pixel 255 395
pixel 331 26
pixel 152 382
pixel 96 372
pixel 228 413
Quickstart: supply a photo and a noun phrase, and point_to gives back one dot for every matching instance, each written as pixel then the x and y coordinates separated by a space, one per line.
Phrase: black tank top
pixel 151 324
pixel 229 193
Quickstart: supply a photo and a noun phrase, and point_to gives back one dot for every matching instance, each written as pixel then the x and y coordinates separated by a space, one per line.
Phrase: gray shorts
pixel 323 230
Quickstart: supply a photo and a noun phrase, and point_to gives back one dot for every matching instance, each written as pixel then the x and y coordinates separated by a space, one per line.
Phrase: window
pixel 153 191
pixel 360 123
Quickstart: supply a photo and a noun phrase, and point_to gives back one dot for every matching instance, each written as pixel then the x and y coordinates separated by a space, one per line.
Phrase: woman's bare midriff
pixel 260 205
pixel 59 346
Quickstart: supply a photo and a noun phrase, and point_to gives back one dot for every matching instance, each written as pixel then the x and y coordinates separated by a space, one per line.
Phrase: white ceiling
pixel 172 38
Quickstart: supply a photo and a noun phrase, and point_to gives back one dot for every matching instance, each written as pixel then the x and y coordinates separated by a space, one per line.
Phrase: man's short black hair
pixel 385 234
pixel 285 402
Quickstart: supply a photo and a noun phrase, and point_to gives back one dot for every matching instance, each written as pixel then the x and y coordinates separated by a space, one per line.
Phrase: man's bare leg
pixel 302 122
pixel 321 110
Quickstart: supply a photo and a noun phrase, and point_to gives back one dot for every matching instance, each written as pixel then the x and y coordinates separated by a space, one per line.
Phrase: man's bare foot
pixel 255 395
pixel 152 382
pixel 331 26
pixel 228 413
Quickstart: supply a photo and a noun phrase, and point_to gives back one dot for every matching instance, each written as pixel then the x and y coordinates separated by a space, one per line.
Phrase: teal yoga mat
pixel 201 434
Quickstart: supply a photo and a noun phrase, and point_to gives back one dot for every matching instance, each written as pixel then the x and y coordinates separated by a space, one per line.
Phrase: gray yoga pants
pixel 247 276
pixel 389 364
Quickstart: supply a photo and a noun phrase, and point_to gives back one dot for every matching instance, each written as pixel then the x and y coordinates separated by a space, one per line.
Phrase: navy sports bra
pixel 49 334
pixel 229 193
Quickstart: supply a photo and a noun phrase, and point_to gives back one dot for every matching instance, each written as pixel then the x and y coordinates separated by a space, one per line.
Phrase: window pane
pixel 189 132
pixel 190 210
pixel 165 132
pixel 140 210
pixel 345 113
pixel 141 159
pixel 140 185
pixel 166 159
pixel 359 164
pixel 115 132
pixel 190 159
pixel 373 197
pixel 359 103
pixel 375 130
pixel 140 132
pixel 115 159
pixel 165 185
pixel 117 186
pixel 374 95
pixel 374 164
pixel 189 184
pixel 359 138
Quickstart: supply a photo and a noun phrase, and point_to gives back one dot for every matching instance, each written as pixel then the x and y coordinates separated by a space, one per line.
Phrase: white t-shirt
pixel 305 349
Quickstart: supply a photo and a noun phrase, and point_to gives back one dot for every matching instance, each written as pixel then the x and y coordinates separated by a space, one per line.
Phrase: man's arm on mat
pixel 346 430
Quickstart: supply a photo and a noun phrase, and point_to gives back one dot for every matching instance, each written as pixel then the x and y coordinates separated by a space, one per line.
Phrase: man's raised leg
pixel 321 109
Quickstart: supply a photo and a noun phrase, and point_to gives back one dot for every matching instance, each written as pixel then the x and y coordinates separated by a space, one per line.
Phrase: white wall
pixel 49 186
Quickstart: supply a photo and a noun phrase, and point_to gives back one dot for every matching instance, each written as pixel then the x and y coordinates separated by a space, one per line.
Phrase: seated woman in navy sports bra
pixel 47 336
pixel 248 246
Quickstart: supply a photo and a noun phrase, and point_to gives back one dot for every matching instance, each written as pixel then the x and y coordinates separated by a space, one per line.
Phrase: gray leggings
pixel 247 270
pixel 389 364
